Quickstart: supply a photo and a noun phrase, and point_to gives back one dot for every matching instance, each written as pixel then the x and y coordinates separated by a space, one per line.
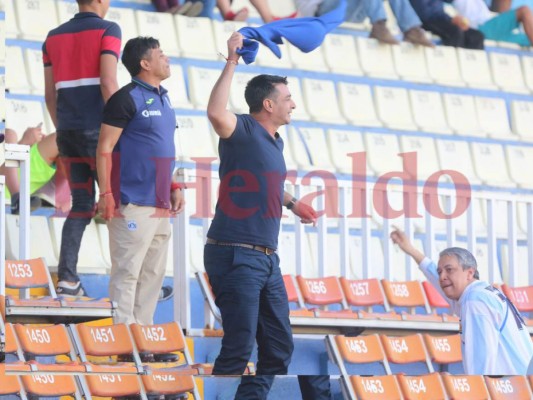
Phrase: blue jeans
pixel 77 150
pixel 358 10
pixel 250 293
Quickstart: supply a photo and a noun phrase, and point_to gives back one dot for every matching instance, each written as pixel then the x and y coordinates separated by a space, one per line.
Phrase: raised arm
pixel 223 120
pixel 399 237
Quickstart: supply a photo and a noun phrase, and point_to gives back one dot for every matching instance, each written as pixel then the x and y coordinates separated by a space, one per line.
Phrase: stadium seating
pixel 508 387
pixel 47 385
pixel 465 387
pixel 407 349
pixel 443 350
pixel 423 387
pixel 29 274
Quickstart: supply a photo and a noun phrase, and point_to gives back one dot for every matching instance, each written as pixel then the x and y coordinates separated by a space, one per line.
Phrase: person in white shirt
pixel 494 338
pixel 500 27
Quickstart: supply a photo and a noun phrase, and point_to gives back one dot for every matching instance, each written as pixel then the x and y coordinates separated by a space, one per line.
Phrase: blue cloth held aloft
pixel 304 33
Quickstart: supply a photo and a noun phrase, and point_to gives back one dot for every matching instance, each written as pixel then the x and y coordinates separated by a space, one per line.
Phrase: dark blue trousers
pixel 77 149
pixel 249 291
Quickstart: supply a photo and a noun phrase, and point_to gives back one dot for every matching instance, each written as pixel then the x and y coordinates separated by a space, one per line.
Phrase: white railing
pixel 17 156
pixel 465 230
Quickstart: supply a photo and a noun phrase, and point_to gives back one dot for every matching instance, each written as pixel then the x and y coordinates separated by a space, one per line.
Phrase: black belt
pixel 262 249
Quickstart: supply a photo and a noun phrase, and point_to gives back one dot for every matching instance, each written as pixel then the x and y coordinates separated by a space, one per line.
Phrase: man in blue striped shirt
pixel 494 338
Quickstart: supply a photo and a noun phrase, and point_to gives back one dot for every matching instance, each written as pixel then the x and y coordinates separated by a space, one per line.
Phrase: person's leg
pixel 207 10
pixel 224 6
pixel 375 10
pixel 274 335
pixel 405 15
pixel 48 148
pixel 450 34
pixel 130 237
pixel 152 273
pixel 236 280
pixel 474 39
pixel 77 155
pixel 525 16
pixel 165 5
pixel 314 387
pixel 501 27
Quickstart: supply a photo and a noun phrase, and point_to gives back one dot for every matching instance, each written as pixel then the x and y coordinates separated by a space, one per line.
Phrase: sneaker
pixel 381 33
pixel 417 36
pixel 35 203
pixel 165 293
pixel 66 290
pixel 183 9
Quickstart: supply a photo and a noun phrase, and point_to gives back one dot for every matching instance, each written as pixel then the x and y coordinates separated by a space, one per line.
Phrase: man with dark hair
pixel 240 253
pixel 138 125
pixel 80 72
pixel 494 337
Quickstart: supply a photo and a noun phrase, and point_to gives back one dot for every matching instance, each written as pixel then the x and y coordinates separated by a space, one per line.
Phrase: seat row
pixel 480 161
pixel 22 276
pixel 353 303
pixel 170 383
pixel 350 354
pixel 321 100
pixel 203 38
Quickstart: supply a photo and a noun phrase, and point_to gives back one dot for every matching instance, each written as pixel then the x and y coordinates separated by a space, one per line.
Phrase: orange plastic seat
pixel 106 343
pixel 294 296
pixel 28 274
pixel 33 273
pixel 405 349
pixel 161 382
pixel 465 387
pixel 12 347
pixel 3 307
pixel 411 295
pixel 522 297
pixel 509 388
pixel 9 384
pixel 50 385
pixel 376 387
pixel 444 349
pixel 50 340
pixel 367 293
pixel 112 385
pixel 423 387
pixel 356 350
pixel 436 300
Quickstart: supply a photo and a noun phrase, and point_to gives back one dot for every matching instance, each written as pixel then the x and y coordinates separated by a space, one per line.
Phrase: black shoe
pixel 65 290
pixel 35 203
pixel 168 357
pixel 166 293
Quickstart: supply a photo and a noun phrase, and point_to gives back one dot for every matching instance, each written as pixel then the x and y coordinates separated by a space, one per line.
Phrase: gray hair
pixel 463 256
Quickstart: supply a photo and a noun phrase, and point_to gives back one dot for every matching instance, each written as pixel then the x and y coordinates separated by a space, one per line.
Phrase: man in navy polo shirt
pixel 138 128
pixel 240 254
pixel 80 74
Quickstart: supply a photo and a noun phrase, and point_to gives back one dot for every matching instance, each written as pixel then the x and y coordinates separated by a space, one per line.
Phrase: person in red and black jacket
pixel 80 68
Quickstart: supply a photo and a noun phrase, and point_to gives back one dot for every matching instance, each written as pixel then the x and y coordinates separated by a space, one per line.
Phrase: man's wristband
pixel 106 194
pixel 175 186
pixel 291 203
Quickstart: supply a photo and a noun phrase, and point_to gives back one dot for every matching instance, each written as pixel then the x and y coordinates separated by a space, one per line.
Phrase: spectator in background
pixel 189 8
pixel 139 125
pixel 500 27
pixel 43 155
pixel 224 6
pixel 80 74
pixel 455 31
pixel 358 10
pixel 494 337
